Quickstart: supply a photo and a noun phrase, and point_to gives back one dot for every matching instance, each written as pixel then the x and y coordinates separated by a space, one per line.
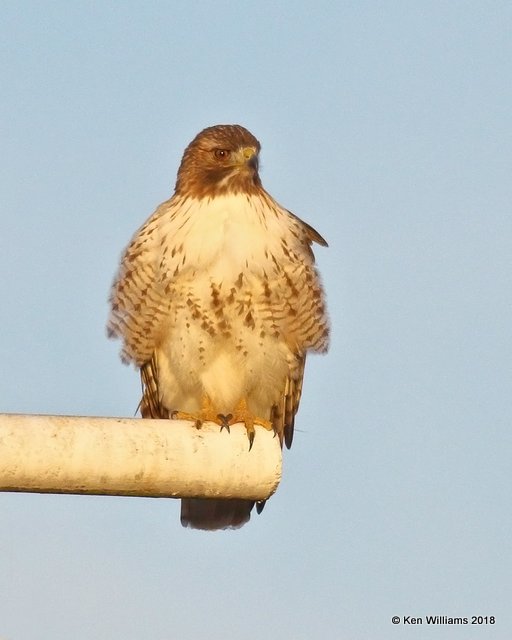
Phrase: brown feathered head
pixel 219 160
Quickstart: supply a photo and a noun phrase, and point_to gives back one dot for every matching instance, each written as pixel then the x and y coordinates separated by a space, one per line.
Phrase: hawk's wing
pixel 151 405
pixel 283 415
pixel 138 298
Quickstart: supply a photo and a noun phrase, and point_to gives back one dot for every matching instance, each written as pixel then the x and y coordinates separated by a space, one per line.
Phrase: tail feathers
pixel 213 514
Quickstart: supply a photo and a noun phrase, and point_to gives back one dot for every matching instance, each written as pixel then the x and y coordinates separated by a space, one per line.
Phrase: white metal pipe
pixel 135 457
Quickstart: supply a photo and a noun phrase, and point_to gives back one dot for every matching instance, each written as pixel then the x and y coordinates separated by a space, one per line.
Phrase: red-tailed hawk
pixel 217 302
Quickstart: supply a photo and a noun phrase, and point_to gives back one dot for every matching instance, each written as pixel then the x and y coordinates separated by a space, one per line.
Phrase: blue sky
pixel 387 126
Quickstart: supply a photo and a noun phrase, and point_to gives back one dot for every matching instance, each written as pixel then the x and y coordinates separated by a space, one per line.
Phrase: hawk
pixel 217 301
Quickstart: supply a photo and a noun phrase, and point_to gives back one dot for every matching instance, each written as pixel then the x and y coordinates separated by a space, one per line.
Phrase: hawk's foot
pixel 207 413
pixel 241 413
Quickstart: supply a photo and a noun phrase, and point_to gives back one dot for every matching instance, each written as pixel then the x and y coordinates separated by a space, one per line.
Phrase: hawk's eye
pixel 222 154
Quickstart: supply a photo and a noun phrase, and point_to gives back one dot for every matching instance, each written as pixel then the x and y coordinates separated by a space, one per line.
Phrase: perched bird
pixel 217 301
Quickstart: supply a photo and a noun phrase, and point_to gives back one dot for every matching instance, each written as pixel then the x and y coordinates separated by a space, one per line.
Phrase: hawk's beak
pixel 249 155
pixel 248 152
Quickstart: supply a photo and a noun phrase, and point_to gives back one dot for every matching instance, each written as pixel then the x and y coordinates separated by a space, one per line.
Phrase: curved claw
pixel 250 436
pixel 224 421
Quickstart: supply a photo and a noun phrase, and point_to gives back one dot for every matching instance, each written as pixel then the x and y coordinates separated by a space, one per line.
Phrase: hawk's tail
pixel 213 514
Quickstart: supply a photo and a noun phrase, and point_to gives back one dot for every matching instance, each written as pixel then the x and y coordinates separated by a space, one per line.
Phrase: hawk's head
pixel 219 160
